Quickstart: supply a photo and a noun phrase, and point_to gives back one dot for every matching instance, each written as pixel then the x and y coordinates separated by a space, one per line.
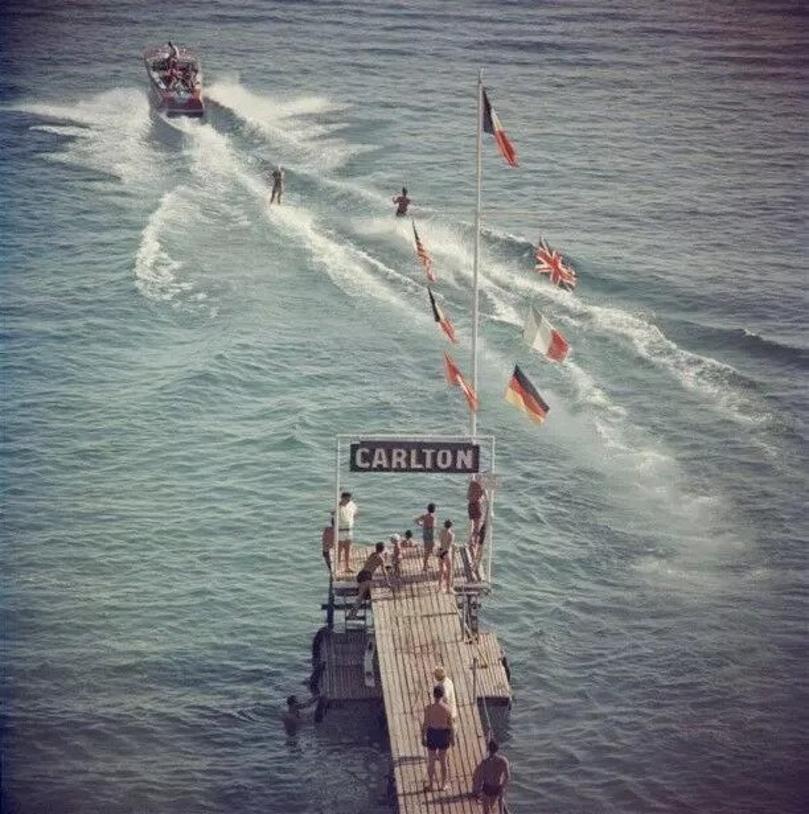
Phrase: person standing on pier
pixel 474 496
pixel 436 735
pixel 446 555
pixel 427 523
pixel 345 531
pixel 327 539
pixel 443 680
pixel 490 778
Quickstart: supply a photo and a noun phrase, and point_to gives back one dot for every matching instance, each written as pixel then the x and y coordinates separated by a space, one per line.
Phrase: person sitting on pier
pixel 446 554
pixel 444 681
pixel 408 539
pixel 427 523
pixel 292 718
pixel 365 577
pixel 490 778
pixel 436 735
pixel 396 555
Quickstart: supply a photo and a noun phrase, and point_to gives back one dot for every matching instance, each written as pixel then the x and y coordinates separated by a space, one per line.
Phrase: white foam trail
pixel 113 137
pixel 155 269
pixel 290 122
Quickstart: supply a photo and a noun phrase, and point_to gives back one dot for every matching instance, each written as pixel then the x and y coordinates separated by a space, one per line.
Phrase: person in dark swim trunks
pixel 402 202
pixel 490 778
pixel 366 574
pixel 436 735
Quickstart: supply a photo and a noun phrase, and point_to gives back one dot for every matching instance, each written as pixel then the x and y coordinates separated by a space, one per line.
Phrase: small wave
pixel 155 269
pixel 110 133
pixel 292 122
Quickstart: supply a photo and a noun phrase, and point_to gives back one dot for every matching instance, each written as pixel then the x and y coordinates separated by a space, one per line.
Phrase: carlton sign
pixel 449 457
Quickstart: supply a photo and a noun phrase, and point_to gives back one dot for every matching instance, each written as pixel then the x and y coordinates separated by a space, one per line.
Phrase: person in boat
pixel 365 577
pixel 327 540
pixel 427 523
pixel 490 778
pixel 436 735
pixel 402 202
pixel 446 555
pixel 277 184
pixel 293 717
pixel 347 511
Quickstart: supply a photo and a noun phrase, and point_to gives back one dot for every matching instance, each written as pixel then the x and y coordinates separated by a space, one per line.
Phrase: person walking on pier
pixel 345 529
pixel 446 554
pixel 366 575
pixel 436 735
pixel 427 523
pixel 490 778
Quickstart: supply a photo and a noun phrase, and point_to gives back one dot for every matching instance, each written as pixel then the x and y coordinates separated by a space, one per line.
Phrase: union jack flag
pixel 550 262
pixel 424 255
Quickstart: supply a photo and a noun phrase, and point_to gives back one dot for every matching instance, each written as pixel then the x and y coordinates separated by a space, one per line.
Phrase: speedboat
pixel 175 78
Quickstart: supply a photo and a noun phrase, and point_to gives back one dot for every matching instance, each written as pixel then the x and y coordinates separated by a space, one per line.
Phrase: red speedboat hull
pixel 175 83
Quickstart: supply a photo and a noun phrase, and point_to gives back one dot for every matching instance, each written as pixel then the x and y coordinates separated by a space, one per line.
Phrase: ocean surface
pixel 177 358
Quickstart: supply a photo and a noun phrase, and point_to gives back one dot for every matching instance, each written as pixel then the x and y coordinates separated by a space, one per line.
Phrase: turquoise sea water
pixel 177 359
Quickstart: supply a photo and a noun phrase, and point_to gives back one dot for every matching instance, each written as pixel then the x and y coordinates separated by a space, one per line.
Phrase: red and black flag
pixel 491 125
pixel 424 255
pixel 446 326
pixel 524 396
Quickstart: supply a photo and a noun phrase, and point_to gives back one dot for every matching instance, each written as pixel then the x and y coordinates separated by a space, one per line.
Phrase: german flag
pixel 446 326
pixel 523 395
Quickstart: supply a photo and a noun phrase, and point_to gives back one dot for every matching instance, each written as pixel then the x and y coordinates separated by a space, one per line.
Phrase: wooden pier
pixel 415 628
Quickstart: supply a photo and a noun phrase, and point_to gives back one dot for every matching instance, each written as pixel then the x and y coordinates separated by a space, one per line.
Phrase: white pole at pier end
pixel 476 260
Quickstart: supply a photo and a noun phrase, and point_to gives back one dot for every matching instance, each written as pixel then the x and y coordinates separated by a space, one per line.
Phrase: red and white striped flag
pixel 440 317
pixel 540 335
pixel 491 125
pixel 454 377
pixel 424 255
pixel 550 262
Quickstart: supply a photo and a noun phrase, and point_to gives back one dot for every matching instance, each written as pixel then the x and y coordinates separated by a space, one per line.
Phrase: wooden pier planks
pixel 417 628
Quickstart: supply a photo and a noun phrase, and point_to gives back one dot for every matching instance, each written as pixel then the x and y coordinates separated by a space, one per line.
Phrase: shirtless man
pixel 327 539
pixel 436 735
pixel 365 576
pixel 277 184
pixel 490 777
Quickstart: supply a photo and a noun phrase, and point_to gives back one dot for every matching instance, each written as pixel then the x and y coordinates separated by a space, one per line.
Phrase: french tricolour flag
pixel 540 335
pixel 491 125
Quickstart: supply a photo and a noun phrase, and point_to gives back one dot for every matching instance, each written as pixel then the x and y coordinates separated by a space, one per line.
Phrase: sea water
pixel 178 357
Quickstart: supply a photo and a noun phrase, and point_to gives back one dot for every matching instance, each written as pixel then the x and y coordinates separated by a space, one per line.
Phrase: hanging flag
pixel 550 262
pixel 446 326
pixel 523 395
pixel 540 335
pixel 423 255
pixel 491 125
pixel 454 377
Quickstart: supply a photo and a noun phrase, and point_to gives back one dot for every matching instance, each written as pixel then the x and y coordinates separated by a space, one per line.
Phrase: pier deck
pixel 417 628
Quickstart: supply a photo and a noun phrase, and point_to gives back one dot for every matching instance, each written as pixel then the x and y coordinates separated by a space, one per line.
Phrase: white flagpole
pixel 476 299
